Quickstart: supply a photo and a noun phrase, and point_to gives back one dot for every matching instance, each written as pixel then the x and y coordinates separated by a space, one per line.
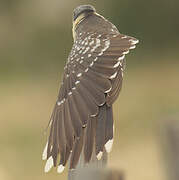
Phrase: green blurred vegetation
pixel 33 42
pixel 35 39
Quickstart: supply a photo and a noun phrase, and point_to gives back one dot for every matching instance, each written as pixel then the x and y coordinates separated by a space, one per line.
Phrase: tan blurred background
pixel 35 39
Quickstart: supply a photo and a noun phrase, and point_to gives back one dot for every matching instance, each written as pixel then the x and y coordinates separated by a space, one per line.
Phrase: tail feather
pixel 109 124
pixel 97 138
pixel 100 131
pixel 89 139
pixel 77 149
pixel 104 130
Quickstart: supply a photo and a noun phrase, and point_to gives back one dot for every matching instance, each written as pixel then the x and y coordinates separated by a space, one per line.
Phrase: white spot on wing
pixel 122 74
pixel 95 59
pixel 99 155
pixel 126 52
pixel 86 50
pixel 124 37
pixel 44 154
pixel 59 103
pixel 122 57
pixel 96 46
pixel 91 64
pixel 86 43
pixel 79 75
pixel 49 164
pixel 77 82
pixel 132 47
pixel 91 43
pixel 108 90
pixel 134 41
pixel 113 76
pixel 108 146
pixel 70 93
pixel 93 115
pixel 89 55
pixel 60 168
pixel 117 64
pixel 86 70
pixel 100 54
pixel 107 44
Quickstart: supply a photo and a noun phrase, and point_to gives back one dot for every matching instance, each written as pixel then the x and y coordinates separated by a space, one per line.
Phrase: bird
pixel 82 118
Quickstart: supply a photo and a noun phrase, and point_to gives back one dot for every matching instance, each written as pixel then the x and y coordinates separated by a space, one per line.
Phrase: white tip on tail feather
pixel 121 57
pixel 113 76
pixel 99 155
pixel 108 90
pixel 44 154
pixel 125 52
pixel 117 64
pixel 134 41
pixel 60 168
pixel 124 37
pixel 108 146
pixel 132 47
pixel 49 164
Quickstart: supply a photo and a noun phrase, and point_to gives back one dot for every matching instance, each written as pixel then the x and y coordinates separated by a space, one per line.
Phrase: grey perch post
pixel 94 163
pixel 171 147
pixel 96 170
pixel 98 174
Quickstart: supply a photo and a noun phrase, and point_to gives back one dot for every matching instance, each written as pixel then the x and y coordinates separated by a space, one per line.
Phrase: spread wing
pixel 92 78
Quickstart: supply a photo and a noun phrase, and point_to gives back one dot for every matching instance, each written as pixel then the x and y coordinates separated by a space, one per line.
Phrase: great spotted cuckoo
pixel 82 119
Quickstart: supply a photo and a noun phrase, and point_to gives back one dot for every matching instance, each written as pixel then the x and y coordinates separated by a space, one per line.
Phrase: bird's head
pixel 80 13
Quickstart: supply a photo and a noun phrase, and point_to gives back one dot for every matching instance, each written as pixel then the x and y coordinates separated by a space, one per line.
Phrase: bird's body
pixel 82 119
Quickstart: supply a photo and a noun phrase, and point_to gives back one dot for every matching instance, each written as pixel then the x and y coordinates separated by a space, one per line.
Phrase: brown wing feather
pixel 92 82
pixel 89 139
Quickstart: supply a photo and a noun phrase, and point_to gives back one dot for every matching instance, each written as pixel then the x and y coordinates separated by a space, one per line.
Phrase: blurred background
pixel 35 39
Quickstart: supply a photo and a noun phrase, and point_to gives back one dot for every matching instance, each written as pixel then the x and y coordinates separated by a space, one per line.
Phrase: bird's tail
pixel 96 141
pixel 104 130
